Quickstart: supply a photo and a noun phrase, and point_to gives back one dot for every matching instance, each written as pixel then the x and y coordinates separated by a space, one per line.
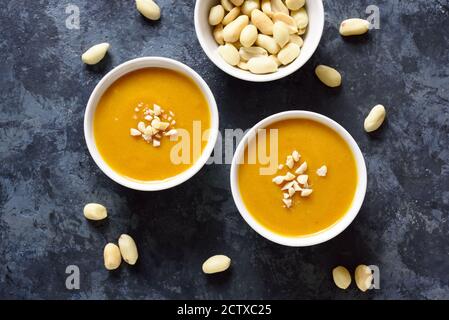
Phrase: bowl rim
pixel 323 235
pixel 108 80
pixel 246 76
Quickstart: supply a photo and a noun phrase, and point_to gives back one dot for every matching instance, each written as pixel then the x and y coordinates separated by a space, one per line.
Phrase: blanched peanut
pixel 128 249
pixel 267 43
pixel 295 4
pixel 229 54
pixel 218 34
pixel 266 7
pixel 329 76
pixel 149 9
pixel 249 5
pixel 289 21
pixel 294 38
pixel 214 264
pixel 289 53
pixel 279 6
pixel 262 22
pixel 375 118
pixel 252 52
pixel 302 31
pixel 363 277
pixel 95 54
pixel 301 18
pixel 227 5
pixel 231 33
pixel 248 36
pixel 276 60
pixel 354 27
pixel 231 16
pixel 112 256
pixel 342 277
pixel 243 65
pixel 261 65
pixel 95 211
pixel 237 3
pixel 281 34
pixel 216 15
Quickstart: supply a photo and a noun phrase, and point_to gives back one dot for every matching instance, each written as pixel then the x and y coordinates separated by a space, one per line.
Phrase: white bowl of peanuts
pixel 120 71
pixel 259 40
pixel 324 234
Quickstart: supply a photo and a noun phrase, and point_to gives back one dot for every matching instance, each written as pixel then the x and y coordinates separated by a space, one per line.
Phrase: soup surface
pixel 122 107
pixel 332 194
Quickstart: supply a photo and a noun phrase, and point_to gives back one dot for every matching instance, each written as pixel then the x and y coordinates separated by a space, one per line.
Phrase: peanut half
pixel 149 9
pixel 128 249
pixel 375 118
pixel 279 6
pixel 95 54
pixel 95 211
pixel 112 256
pixel 262 22
pixel 248 36
pixel 295 4
pixel 342 277
pixel 261 65
pixel 281 33
pixel 216 15
pixel 329 76
pixel 229 54
pixel 363 277
pixel 231 33
pixel 218 263
pixel 354 27
pixel 289 53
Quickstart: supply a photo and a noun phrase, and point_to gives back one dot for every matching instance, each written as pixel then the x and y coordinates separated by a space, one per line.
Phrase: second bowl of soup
pixel 298 178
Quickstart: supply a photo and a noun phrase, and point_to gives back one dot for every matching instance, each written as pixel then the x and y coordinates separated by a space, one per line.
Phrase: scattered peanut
pixel 375 118
pixel 149 9
pixel 95 54
pixel 218 263
pixel 342 277
pixel 229 54
pixel 112 256
pixel 322 171
pixel 95 211
pixel 128 249
pixel 354 27
pixel 216 15
pixel 363 277
pixel 329 76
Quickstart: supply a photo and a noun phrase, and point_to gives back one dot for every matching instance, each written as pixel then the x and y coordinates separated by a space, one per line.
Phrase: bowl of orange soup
pixel 298 178
pixel 151 123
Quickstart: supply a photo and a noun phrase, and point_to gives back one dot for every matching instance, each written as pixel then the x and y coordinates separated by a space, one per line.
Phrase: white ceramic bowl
pixel 118 72
pixel 323 235
pixel 312 39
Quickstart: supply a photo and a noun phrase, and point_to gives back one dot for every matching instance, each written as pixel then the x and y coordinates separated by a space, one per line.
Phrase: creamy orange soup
pixel 332 195
pixel 116 113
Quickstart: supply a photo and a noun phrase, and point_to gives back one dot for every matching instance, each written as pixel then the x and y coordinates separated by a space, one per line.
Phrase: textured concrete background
pixel 47 175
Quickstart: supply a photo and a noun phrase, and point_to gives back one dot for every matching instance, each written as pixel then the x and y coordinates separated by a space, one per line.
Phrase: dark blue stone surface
pixel 47 175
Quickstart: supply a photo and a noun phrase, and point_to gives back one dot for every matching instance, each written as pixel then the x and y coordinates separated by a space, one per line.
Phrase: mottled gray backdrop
pixel 47 175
